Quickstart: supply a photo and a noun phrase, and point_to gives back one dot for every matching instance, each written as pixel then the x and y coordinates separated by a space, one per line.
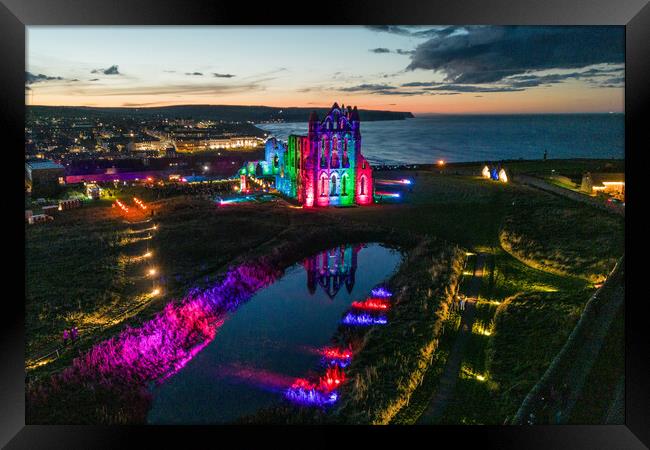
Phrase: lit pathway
pixel 447 384
pixel 58 349
pixel 548 187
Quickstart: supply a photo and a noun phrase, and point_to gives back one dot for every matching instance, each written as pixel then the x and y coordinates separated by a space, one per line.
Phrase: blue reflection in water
pixel 363 319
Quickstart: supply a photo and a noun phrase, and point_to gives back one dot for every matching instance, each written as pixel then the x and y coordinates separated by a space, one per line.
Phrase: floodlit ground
pixel 87 269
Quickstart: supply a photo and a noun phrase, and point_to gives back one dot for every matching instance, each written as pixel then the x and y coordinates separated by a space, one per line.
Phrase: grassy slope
pixel 566 239
pixel 469 211
pixel 393 360
pixel 76 273
pixel 608 370
pixel 554 299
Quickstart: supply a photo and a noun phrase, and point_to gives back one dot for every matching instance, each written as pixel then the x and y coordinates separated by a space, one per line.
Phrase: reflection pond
pixel 267 344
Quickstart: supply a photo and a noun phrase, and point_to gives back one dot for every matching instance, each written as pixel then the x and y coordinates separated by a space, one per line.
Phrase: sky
pixel 423 69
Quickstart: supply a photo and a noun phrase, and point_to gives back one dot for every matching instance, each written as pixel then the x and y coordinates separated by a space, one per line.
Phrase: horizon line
pixel 325 107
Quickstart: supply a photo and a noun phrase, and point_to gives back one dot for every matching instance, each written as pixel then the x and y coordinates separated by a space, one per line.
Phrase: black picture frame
pixel 15 15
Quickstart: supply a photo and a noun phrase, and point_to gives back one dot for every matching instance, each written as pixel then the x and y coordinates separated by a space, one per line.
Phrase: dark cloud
pixel 527 80
pixel 420 83
pixel 398 51
pixel 31 78
pixel 487 54
pixel 368 87
pixel 396 92
pixel 592 75
pixel 178 89
pixel 197 74
pixel 428 32
pixel 113 70
pixel 467 88
pixel 620 81
pixel 381 89
pixel 223 75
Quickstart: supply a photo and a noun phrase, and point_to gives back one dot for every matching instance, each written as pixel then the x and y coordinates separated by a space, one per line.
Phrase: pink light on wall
pixel 364 188
pixel 323 197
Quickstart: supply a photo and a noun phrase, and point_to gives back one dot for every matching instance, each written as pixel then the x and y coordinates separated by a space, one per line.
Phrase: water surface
pixel 272 339
pixel 462 138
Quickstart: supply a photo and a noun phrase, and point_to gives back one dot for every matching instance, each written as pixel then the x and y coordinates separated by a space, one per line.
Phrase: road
pixel 449 377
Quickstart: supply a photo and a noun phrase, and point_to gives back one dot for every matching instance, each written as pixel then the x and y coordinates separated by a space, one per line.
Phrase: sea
pixel 465 138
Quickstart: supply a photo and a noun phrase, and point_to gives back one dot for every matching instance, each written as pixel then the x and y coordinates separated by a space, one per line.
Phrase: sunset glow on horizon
pixel 433 69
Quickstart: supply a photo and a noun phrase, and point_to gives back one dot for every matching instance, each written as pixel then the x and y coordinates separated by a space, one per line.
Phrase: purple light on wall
pixel 363 319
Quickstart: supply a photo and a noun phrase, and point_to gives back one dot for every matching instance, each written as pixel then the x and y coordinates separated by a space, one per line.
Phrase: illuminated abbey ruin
pixel 324 168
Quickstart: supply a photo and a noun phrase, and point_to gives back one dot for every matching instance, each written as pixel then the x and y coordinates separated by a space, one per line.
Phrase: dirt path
pixel 449 377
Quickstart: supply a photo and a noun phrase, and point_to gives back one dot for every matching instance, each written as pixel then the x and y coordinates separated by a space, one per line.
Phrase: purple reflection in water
pixel 165 344
pixel 310 397
pixel 363 319
pixel 381 292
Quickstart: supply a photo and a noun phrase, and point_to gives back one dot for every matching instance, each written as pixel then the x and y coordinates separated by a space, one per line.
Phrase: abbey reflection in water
pixel 331 269
pixel 276 335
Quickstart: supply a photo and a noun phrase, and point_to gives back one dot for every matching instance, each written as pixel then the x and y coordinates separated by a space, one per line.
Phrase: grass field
pixel 565 239
pixel 81 270
pixel 79 273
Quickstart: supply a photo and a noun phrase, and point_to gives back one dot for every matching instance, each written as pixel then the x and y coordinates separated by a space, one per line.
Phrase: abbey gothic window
pixel 334 186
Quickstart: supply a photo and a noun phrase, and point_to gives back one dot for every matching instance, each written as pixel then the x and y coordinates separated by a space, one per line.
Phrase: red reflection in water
pixel 301 383
pixel 332 379
pixel 372 303
pixel 337 353
pixel 257 377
